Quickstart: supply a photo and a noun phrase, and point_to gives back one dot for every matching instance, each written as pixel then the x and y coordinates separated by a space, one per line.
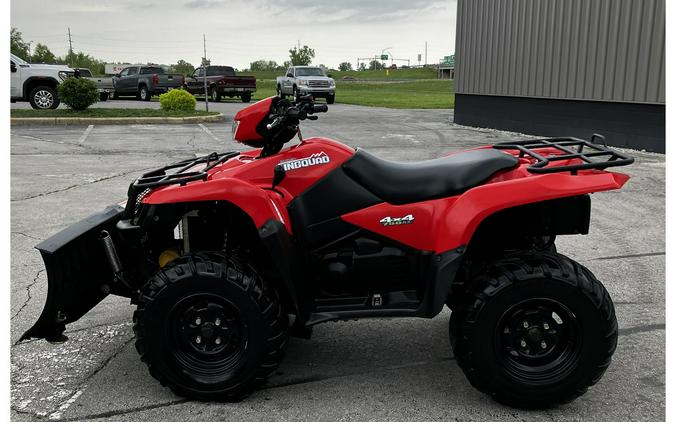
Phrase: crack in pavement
pixel 28 236
pixel 91 182
pixel 29 296
pixel 641 329
pixel 105 415
pixel 637 255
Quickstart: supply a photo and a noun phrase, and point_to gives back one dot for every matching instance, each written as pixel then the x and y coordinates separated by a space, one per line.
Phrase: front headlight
pixel 235 126
pixel 332 82
pixel 63 75
pixel 302 82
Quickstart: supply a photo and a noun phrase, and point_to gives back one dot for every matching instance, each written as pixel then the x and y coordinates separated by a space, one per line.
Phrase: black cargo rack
pixel 181 176
pixel 570 148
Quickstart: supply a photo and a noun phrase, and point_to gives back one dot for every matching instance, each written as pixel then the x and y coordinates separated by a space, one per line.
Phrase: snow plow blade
pixel 79 274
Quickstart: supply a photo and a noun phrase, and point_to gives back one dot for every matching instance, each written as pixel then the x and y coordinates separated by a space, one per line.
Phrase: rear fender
pixel 464 215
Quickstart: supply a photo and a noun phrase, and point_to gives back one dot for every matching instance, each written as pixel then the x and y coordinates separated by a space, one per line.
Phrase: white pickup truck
pixel 304 80
pixel 36 83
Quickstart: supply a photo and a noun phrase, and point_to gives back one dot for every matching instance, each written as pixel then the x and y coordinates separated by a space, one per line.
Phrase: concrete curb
pixel 19 121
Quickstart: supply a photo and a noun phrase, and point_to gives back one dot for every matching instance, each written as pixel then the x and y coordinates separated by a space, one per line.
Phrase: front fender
pixel 261 205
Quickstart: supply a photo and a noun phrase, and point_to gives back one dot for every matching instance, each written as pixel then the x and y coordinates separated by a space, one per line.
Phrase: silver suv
pixel 303 80
pixel 36 83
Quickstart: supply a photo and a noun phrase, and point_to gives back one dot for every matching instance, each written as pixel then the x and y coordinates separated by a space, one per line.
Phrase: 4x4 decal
pixel 313 160
pixel 397 221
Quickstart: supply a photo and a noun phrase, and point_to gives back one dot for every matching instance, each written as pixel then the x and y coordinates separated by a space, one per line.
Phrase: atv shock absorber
pixel 113 259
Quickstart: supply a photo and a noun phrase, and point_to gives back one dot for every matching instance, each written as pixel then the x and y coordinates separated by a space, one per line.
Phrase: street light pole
pixel 206 93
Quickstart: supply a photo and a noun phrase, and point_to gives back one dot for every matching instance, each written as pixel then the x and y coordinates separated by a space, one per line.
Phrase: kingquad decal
pixel 313 160
pixel 397 221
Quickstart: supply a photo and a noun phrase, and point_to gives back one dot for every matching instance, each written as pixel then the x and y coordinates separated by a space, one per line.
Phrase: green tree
pixel 81 59
pixel 42 54
pixel 301 57
pixel 182 67
pixel 18 46
pixel 362 66
pixel 344 66
pixel 263 65
pixel 375 65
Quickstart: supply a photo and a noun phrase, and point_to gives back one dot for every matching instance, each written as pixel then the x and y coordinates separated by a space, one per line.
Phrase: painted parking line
pixel 208 132
pixel 86 133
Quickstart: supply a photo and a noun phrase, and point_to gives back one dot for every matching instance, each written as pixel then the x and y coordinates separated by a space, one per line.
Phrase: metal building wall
pixel 603 50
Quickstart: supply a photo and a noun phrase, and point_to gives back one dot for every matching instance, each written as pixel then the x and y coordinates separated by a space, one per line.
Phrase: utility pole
pixel 206 93
pixel 70 50
pixel 425 53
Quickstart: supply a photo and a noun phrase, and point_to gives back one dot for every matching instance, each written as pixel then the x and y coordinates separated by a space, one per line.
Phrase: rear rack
pixel 181 176
pixel 570 148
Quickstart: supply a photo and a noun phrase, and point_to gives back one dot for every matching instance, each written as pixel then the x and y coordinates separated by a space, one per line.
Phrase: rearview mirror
pixel 289 75
pixel 12 66
pixel 117 75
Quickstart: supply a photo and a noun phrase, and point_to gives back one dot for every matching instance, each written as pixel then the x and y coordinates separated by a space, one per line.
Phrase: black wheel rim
pixel 208 336
pixel 538 340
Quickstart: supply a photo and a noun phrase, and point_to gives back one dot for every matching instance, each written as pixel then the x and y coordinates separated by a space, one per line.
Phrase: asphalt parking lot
pixel 367 370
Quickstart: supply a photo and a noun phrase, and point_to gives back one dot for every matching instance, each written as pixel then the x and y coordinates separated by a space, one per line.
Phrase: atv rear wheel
pixel 209 328
pixel 537 329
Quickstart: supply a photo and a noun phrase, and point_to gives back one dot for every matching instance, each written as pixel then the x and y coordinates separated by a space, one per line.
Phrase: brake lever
pixel 312 117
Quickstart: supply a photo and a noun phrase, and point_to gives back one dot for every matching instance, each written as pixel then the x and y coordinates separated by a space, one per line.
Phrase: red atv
pixel 218 251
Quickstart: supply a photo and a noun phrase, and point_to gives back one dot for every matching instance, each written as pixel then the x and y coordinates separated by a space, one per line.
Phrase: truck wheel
pixel 144 94
pixel 295 94
pixel 103 96
pixel 537 329
pixel 209 327
pixel 246 97
pixel 280 94
pixel 330 99
pixel 215 96
pixel 43 98
pixel 112 96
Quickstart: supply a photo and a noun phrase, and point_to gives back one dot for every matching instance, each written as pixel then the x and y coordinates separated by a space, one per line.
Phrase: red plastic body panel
pixel 436 225
pixel 248 119
pixel 246 181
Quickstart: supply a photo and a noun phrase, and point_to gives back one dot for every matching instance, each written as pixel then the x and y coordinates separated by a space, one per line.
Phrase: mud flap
pixel 78 273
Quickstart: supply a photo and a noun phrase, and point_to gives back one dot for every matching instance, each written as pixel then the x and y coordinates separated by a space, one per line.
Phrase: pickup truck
pixel 144 82
pixel 304 80
pixel 103 84
pixel 221 81
pixel 36 83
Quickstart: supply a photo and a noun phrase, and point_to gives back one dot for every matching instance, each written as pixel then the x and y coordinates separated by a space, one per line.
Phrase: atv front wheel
pixel 209 328
pixel 538 330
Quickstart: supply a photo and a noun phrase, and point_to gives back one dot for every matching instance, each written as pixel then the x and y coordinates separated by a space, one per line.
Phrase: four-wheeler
pixel 219 253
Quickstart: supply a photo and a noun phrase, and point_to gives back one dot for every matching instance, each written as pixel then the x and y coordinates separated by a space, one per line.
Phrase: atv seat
pixel 402 183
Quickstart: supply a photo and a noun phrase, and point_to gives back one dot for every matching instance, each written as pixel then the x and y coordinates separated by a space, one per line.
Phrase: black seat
pixel 403 183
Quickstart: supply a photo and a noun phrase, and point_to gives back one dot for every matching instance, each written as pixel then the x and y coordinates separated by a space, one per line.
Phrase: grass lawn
pixel 109 112
pixel 394 74
pixel 431 93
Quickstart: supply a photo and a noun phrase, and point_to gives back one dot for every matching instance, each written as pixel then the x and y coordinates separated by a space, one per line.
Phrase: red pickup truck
pixel 221 81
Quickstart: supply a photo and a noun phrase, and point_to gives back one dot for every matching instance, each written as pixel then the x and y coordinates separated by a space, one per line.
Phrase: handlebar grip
pixel 320 108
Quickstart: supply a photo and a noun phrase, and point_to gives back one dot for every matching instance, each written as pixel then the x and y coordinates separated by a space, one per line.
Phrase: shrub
pixel 78 93
pixel 177 99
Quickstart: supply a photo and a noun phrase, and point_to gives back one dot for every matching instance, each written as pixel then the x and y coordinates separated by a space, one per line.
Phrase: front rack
pixel 181 176
pixel 570 148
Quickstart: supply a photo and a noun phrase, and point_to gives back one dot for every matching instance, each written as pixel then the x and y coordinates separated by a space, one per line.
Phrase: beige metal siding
pixel 605 50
